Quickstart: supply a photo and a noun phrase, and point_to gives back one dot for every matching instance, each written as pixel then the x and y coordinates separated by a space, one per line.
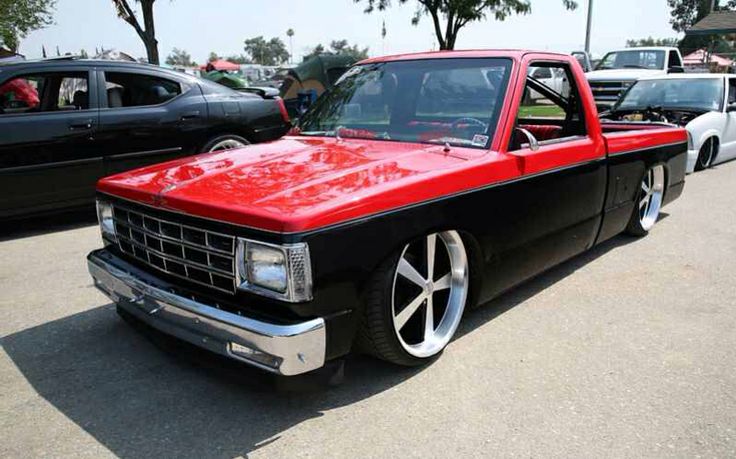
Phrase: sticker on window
pixel 479 140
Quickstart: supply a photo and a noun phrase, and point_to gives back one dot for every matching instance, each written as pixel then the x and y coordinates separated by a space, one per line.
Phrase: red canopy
pixel 223 65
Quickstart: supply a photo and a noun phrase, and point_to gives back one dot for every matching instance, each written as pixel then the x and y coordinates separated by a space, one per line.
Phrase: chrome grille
pixel 608 91
pixel 198 255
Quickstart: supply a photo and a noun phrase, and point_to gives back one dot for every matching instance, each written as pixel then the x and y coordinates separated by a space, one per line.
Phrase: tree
pixel 180 57
pixel 685 13
pixel 317 50
pixel 652 42
pixel 213 57
pixel 147 33
pixel 239 59
pixel 272 52
pixel 341 47
pixel 290 34
pixel 456 14
pixel 20 17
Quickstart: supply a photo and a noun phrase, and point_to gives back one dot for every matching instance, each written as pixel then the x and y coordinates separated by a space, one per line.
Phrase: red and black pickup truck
pixel 420 186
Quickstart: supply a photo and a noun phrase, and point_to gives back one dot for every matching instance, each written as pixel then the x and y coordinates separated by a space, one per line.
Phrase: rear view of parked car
pixel 65 123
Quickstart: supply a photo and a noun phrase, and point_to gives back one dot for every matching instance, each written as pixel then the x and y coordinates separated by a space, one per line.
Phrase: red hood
pixel 298 183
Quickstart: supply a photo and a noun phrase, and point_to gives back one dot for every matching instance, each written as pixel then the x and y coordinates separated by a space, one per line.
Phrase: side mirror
pixel 676 69
pixel 731 107
pixel 531 140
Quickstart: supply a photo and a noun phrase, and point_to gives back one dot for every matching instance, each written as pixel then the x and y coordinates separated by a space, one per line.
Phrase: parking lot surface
pixel 626 351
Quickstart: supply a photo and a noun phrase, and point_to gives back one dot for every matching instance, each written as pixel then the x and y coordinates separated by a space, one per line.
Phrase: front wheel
pixel 648 203
pixel 416 299
pixel 225 142
pixel 705 155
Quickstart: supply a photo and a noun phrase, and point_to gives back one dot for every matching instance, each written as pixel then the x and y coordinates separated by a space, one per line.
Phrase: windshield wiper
pixel 318 133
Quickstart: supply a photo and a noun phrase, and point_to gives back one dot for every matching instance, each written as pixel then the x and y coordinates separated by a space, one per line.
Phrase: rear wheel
pixel 416 300
pixel 706 155
pixel 225 142
pixel 649 202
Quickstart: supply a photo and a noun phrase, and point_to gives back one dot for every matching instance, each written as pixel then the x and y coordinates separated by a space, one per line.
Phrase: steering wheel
pixel 468 120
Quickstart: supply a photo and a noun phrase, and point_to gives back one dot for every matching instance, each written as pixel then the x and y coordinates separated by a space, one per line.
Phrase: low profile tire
pixel 225 142
pixel 648 202
pixel 415 300
pixel 705 155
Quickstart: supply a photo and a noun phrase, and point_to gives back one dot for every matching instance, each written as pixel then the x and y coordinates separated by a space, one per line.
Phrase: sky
pixel 201 26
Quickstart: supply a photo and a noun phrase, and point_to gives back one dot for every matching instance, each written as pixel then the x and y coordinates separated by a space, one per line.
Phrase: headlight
pixel 278 271
pixel 266 267
pixel 107 223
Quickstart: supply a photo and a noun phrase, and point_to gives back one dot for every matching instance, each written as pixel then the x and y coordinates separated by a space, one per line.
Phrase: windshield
pixel 446 101
pixel 686 93
pixel 634 59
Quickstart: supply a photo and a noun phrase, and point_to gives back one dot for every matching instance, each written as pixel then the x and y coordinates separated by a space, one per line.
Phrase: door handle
pixel 84 125
pixel 190 115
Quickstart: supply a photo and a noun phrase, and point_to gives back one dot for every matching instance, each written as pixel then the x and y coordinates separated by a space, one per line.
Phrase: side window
pixel 674 60
pixel 731 91
pixel 73 93
pixel 137 90
pixel 550 109
pixel 44 92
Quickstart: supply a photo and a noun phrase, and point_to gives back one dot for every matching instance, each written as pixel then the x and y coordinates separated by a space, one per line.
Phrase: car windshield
pixel 633 59
pixel 685 93
pixel 445 101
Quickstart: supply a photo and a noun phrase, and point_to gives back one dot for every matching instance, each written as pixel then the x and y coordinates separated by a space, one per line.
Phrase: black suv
pixel 64 123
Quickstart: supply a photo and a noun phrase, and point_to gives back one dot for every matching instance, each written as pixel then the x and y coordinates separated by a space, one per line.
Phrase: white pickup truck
pixel 621 68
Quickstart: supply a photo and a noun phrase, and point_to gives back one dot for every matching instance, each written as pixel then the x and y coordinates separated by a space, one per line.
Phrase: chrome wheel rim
pixel 652 189
pixel 227 144
pixel 706 155
pixel 428 294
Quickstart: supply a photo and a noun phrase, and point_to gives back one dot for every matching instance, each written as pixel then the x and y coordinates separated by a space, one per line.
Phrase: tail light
pixel 282 109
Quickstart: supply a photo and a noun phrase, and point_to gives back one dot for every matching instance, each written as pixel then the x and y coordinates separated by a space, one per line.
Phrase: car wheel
pixel 648 202
pixel 415 300
pixel 705 155
pixel 225 142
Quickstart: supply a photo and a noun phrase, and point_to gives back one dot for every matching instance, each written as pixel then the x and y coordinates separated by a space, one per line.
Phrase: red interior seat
pixel 543 132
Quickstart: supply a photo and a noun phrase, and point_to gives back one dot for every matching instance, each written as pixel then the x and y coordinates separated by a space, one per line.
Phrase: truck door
pixel 560 153
pixel 48 155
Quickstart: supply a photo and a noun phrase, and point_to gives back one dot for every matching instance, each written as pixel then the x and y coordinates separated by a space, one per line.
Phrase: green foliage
pixel 239 59
pixel 649 41
pixel 319 49
pixel 213 57
pixel 272 52
pixel 456 14
pixel 20 17
pixel 685 13
pixel 180 57
pixel 340 47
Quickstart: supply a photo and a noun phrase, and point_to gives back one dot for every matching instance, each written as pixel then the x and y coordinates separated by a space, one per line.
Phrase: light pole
pixel 587 30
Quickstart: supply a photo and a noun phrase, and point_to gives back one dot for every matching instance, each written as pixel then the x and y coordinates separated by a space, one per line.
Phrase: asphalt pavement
pixel 626 351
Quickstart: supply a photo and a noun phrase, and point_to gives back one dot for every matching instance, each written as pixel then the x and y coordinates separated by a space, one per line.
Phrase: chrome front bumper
pixel 283 349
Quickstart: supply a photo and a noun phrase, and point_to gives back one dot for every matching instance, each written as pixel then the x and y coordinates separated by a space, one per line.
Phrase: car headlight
pixel 277 271
pixel 106 220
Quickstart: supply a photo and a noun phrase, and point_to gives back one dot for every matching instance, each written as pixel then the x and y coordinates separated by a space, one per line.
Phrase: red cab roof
pixel 468 53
